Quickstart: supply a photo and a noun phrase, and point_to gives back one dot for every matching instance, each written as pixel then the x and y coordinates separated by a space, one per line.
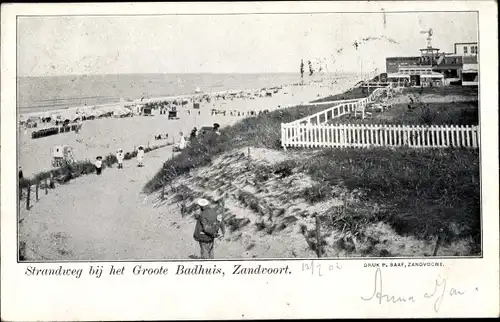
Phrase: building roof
pixel 403 57
pixel 433 75
pixel 397 75
pixel 466 43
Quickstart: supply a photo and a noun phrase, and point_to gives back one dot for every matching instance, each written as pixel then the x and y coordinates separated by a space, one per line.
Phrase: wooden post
pixel 28 197
pixel 438 242
pixel 318 237
pixel 36 190
pixel 163 192
pixel 345 205
pixel 46 187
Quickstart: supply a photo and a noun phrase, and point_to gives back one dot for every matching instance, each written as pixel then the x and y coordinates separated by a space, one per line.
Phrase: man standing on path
pixel 208 223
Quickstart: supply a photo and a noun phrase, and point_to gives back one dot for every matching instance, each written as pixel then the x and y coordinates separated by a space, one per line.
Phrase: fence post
pixel 46 187
pixel 36 189
pixel 28 197
pixel 344 209
pixel 438 242
pixel 318 236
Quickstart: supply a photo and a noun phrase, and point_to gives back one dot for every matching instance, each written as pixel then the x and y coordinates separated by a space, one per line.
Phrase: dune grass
pixel 469 91
pixel 457 113
pixel 262 131
pixel 355 92
pixel 420 191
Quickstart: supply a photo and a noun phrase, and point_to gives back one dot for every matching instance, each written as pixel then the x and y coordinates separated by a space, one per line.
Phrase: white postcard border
pixel 302 294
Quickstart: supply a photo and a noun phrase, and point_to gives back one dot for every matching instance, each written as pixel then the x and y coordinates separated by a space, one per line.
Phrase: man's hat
pixel 202 202
pixel 119 150
pixel 99 158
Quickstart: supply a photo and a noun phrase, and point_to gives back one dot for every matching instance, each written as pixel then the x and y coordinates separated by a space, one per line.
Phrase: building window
pixel 472 51
pixel 465 49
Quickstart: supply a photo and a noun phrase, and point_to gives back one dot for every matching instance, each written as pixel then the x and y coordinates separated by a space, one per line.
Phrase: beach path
pixel 107 217
pixel 100 217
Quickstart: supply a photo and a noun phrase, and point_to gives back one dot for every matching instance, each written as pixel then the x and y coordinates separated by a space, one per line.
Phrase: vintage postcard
pixel 249 160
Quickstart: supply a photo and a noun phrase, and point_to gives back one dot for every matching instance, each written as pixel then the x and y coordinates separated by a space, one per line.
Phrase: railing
pixel 340 108
pixel 366 135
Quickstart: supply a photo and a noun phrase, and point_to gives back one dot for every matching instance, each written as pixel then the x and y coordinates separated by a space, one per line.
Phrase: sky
pixel 259 43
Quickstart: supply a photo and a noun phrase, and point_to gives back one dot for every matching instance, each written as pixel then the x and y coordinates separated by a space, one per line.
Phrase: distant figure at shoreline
pixel 98 165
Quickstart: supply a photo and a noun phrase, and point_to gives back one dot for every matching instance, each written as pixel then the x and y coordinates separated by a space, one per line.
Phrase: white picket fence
pixel 367 135
pixel 342 107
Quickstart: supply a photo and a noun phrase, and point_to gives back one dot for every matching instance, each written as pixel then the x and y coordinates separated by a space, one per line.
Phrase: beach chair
pixel 360 111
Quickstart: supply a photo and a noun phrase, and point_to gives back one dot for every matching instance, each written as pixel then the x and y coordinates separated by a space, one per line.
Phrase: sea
pixel 37 94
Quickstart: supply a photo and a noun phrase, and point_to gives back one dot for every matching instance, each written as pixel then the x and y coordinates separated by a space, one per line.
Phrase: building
pixel 470 71
pixel 433 68
pixel 392 64
pixel 466 48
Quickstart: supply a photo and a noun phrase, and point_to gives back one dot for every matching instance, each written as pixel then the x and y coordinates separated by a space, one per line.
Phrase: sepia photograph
pixel 251 136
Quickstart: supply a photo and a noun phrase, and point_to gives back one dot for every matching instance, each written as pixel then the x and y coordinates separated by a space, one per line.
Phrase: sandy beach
pixel 104 136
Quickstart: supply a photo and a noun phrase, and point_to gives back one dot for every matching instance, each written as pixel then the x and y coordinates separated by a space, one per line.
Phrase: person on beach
pixel 98 165
pixel 216 128
pixel 140 156
pixel 208 223
pixel 182 142
pixel 119 158
pixel 193 134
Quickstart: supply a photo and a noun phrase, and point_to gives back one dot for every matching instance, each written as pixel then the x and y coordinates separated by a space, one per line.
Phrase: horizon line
pixel 186 73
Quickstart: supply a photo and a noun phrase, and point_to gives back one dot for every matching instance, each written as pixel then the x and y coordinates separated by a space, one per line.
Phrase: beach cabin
pixel 147 111
pixel 62 154
pixel 172 115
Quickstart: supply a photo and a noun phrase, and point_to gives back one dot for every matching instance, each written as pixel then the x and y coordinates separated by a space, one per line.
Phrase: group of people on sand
pixel 239 113
pixel 120 156
pixel 194 134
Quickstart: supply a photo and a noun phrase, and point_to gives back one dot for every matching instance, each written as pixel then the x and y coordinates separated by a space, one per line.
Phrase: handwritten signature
pixel 438 294
pixel 379 294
